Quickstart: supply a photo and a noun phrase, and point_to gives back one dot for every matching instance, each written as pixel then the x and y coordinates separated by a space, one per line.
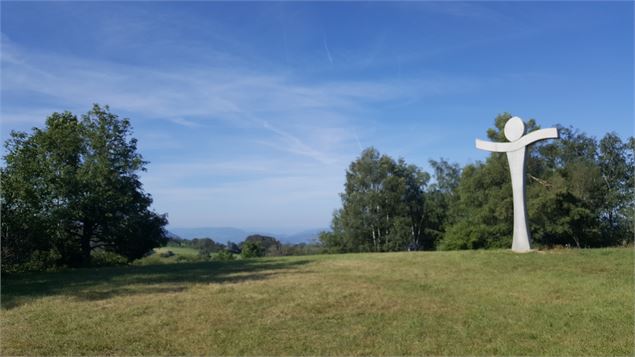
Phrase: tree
pixel 269 245
pixel 205 246
pixel 440 197
pixel 252 250
pixel 591 183
pixel 72 188
pixel 616 161
pixel 232 248
pixel 383 207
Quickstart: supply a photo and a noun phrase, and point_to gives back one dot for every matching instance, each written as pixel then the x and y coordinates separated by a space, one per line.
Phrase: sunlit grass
pixel 177 250
pixel 564 302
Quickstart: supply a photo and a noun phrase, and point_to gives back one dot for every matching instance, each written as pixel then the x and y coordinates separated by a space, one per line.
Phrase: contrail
pixel 359 144
pixel 326 48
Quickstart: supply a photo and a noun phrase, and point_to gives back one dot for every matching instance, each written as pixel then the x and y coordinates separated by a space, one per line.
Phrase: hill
pixel 224 234
pixel 306 236
pixel 561 302
pixel 218 234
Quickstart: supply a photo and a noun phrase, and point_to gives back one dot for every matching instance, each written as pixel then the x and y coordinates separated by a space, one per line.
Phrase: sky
pixel 250 113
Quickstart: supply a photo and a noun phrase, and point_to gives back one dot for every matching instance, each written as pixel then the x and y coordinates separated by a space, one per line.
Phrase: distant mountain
pixel 224 234
pixel 307 236
pixel 171 235
pixel 218 234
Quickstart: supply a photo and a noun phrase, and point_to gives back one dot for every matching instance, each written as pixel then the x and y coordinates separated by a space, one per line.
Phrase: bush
pixel 252 250
pixel 189 259
pixel 104 258
pixel 203 254
pixel 167 254
pixel 151 260
pixel 40 261
pixel 223 255
pixel 473 235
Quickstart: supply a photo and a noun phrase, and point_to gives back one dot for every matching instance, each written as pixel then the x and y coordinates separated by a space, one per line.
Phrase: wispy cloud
pixel 311 126
pixel 359 144
pixel 243 98
pixel 185 122
pixel 326 49
pixel 258 121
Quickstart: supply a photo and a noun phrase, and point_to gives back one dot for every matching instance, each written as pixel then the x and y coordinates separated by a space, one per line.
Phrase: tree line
pixel 255 245
pixel 579 193
pixel 72 196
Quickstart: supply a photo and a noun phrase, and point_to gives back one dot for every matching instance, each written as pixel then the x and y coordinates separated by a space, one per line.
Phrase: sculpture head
pixel 514 129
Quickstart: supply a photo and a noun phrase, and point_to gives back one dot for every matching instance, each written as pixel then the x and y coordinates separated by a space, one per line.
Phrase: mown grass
pixel 177 250
pixel 564 302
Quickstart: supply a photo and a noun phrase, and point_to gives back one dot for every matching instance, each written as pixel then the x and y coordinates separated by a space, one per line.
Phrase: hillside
pixel 561 302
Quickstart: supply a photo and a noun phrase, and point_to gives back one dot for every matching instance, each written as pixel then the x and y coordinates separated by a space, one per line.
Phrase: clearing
pixel 560 302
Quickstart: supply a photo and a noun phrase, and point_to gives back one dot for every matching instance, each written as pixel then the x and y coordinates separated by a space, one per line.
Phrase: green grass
pixel 562 302
pixel 181 254
pixel 177 250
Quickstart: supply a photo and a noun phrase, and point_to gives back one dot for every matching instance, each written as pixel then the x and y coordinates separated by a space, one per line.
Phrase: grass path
pixel 565 302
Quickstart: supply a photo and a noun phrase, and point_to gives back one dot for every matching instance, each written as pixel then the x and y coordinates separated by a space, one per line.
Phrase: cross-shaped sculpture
pixel 516 153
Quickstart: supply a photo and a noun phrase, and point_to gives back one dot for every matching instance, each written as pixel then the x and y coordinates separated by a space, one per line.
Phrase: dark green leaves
pixel 72 188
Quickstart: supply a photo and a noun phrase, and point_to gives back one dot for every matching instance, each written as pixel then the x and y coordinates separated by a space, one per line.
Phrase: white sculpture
pixel 516 153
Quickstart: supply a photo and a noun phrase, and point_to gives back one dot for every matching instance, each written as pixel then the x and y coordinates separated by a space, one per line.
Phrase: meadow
pixel 185 251
pixel 558 302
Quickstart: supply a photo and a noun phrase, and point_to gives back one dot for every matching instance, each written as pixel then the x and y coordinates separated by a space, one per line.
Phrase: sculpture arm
pixel 550 133
pixel 492 146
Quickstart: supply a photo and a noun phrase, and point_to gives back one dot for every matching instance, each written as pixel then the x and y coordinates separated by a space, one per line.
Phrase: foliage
pixel 167 254
pixel 252 249
pixel 269 245
pixel 191 258
pixel 206 246
pixel 106 258
pixel 301 249
pixel 232 248
pixel 224 255
pixel 71 188
pixel 579 193
pixel 388 206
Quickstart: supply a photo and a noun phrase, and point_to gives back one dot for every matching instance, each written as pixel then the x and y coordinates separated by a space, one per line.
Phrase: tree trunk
pixel 85 241
pixel 374 238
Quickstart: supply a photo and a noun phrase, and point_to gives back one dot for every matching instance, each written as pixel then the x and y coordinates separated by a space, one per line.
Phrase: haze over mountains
pixel 224 234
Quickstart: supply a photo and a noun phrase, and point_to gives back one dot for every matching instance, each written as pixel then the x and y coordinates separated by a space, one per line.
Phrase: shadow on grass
pixel 91 284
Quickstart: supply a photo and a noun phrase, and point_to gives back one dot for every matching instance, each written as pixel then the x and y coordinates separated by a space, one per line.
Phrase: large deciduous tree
pixel 383 207
pixel 73 187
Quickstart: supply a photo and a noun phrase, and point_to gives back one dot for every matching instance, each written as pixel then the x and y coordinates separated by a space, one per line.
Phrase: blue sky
pixel 249 113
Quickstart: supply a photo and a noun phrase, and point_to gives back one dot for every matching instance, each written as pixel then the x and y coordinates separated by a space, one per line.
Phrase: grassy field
pixel 562 302
pixel 177 250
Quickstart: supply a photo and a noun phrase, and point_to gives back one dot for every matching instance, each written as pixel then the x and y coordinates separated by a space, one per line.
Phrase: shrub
pixel 151 260
pixel 40 261
pixel 203 254
pixel 104 258
pixel 223 255
pixel 189 259
pixel 167 254
pixel 252 250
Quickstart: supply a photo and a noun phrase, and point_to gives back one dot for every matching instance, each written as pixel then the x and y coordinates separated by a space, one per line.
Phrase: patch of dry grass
pixel 569 302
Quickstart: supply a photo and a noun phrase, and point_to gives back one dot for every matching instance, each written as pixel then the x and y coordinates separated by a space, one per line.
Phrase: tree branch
pixel 540 181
